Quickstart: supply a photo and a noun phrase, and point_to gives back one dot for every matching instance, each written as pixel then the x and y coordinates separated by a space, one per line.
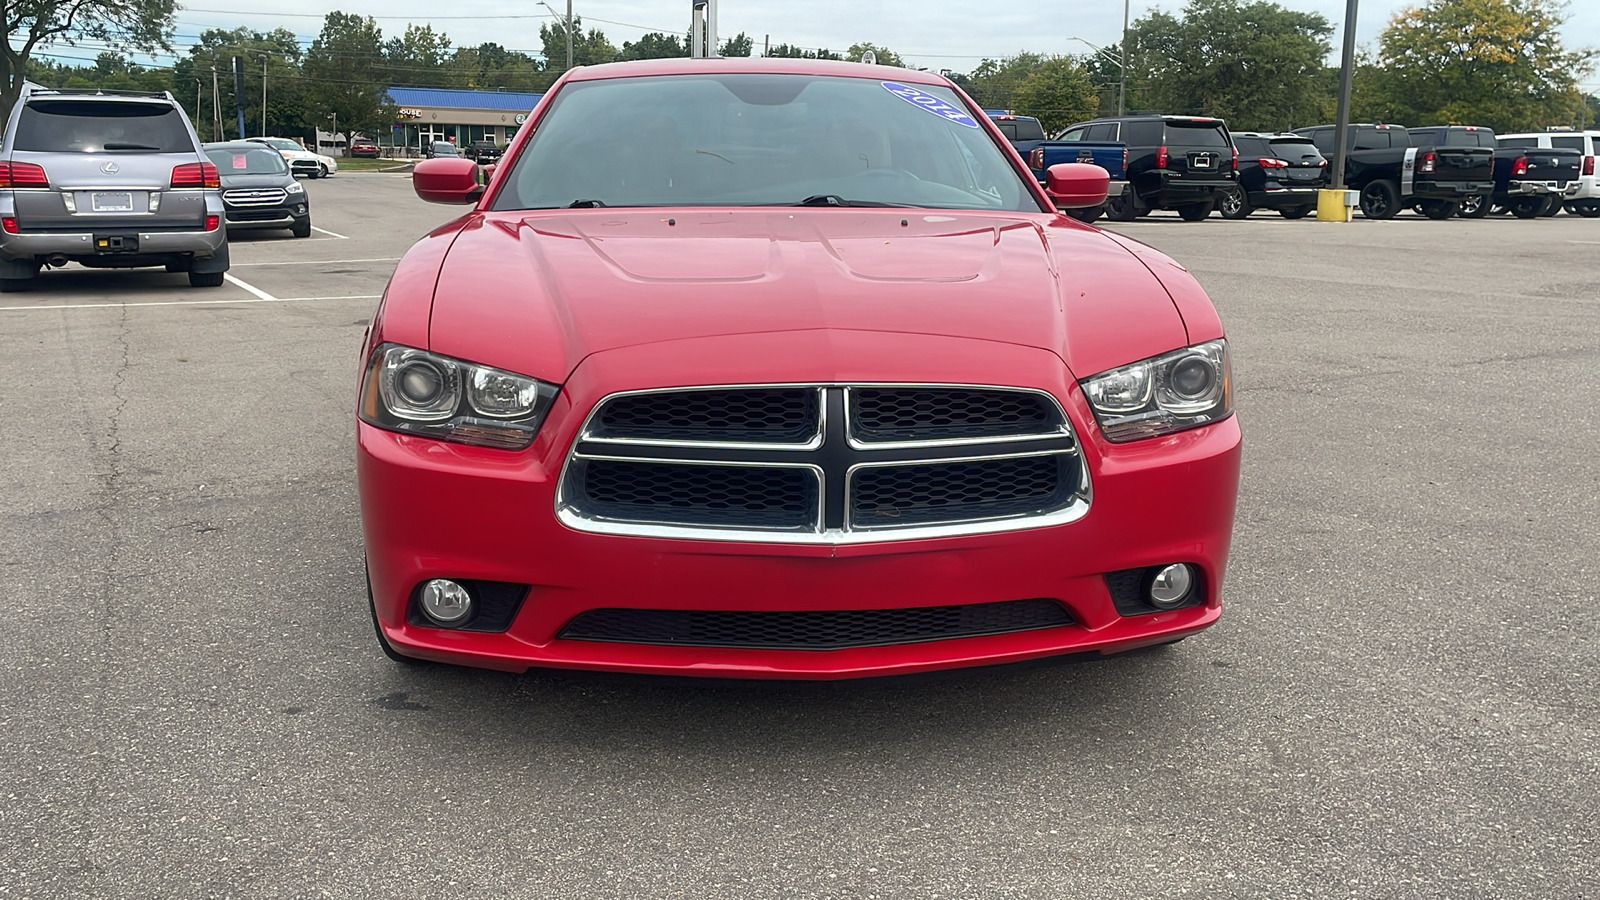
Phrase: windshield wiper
pixel 836 200
pixel 119 145
pixel 586 204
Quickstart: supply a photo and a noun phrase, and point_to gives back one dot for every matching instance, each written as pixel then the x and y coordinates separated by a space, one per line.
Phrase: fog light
pixel 1171 587
pixel 445 602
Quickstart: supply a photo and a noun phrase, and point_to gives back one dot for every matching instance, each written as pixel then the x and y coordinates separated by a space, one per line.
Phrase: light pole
pixel 335 132
pixel 263 95
pixel 1122 88
pixel 566 25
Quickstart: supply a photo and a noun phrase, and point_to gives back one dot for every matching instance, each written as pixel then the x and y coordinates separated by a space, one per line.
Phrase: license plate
pixel 111 201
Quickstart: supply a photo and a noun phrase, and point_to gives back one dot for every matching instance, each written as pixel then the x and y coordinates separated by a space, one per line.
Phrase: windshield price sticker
pixel 928 102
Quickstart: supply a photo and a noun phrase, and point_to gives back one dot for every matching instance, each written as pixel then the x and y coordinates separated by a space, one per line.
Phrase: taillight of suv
pixel 23 175
pixel 1161 157
pixel 1272 164
pixel 1588 165
pixel 195 175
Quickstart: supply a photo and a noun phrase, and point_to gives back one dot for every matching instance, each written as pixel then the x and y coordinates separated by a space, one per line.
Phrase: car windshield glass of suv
pixel 761 140
pixel 96 126
pixel 1205 133
pixel 282 144
pixel 248 162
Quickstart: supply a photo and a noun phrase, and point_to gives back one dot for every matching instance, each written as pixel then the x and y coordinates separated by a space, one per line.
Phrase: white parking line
pixel 251 288
pixel 266 299
pixel 320 262
pixel 1583 242
pixel 330 233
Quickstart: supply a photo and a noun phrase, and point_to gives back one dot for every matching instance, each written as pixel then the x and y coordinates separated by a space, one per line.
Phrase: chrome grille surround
pixel 838 456
pixel 254 196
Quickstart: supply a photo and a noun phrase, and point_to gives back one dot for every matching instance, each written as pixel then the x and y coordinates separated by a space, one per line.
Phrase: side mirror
pixel 1077 185
pixel 447 181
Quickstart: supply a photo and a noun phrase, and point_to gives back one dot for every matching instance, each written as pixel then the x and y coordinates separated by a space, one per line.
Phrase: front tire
pixel 1477 206
pixel 302 228
pixel 1380 200
pixel 1195 212
pixel 1087 215
pixel 322 171
pixel 205 279
pixel 1440 209
pixel 1527 207
pixel 1233 204
pixel 1588 210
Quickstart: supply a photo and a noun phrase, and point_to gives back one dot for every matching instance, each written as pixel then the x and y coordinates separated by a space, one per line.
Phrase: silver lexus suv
pixel 107 180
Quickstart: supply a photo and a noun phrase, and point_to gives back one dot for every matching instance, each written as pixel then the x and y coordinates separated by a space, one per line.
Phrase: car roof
pixel 751 65
pixel 237 146
pixel 98 95
pixel 1270 135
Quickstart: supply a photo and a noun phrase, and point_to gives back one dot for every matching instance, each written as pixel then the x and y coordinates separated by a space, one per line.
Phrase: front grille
pixel 891 496
pixel 254 196
pixel 705 495
pixel 771 415
pixel 939 413
pixel 823 464
pixel 814 630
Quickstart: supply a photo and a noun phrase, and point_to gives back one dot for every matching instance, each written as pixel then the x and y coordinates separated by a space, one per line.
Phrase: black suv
pixel 1282 172
pixel 258 189
pixel 1174 162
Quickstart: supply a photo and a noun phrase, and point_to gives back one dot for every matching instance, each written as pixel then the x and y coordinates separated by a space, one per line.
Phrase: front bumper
pixel 438 510
pixel 285 216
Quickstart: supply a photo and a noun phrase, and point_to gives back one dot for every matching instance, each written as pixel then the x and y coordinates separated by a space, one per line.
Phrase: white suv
pixel 1586 202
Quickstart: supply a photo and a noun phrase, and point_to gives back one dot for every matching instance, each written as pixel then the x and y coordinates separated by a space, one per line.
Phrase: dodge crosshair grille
pixel 823 463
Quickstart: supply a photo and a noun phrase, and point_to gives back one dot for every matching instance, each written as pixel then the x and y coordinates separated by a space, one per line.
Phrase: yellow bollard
pixel 1336 205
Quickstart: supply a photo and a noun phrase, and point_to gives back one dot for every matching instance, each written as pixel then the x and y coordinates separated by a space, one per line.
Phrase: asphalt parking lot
pixel 1398 702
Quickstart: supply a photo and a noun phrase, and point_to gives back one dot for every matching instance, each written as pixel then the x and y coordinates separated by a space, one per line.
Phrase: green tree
pixel 1057 93
pixel 886 57
pixel 489 67
pixel 286 112
pixel 1499 63
pixel 788 51
pixel 590 49
pixel 740 44
pixel 1258 64
pixel 35 24
pixel 347 83
pixel 654 45
pixel 416 57
pixel 994 82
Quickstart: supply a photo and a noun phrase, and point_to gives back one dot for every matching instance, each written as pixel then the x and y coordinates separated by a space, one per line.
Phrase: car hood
pixel 278 180
pixel 537 292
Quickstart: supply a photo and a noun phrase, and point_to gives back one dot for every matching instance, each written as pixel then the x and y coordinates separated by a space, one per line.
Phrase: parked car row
pixel 1194 165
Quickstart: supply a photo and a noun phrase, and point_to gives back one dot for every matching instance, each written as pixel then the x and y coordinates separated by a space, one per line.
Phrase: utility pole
pixel 1122 89
pixel 216 107
pixel 1330 201
pixel 197 100
pixel 263 95
pixel 238 91
pixel 569 34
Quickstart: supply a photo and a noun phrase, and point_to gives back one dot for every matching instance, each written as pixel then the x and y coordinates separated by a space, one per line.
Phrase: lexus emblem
pixel 110 168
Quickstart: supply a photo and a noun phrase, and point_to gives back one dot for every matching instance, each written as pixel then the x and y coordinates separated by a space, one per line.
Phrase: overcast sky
pixel 936 34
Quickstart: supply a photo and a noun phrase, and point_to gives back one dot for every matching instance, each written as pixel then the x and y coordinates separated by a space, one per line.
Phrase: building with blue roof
pixel 459 116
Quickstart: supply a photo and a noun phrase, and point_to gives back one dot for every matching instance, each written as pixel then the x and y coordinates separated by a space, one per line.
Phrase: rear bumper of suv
pixel 1174 192
pixel 82 245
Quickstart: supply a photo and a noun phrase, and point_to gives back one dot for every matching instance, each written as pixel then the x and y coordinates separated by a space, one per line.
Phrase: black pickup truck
pixel 1394 174
pixel 1528 181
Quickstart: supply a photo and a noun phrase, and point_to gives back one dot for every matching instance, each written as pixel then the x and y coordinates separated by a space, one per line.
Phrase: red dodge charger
pixel 785 369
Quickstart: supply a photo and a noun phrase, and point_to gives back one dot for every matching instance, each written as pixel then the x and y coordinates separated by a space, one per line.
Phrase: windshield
pixel 262 161
pixel 760 140
pixel 93 126
pixel 282 144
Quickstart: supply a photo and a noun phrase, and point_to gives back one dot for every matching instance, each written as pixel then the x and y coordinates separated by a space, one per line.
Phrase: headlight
pixel 417 392
pixel 1182 389
pixel 295 188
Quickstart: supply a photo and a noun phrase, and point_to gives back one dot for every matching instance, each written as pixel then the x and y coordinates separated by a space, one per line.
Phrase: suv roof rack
pixel 96 92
